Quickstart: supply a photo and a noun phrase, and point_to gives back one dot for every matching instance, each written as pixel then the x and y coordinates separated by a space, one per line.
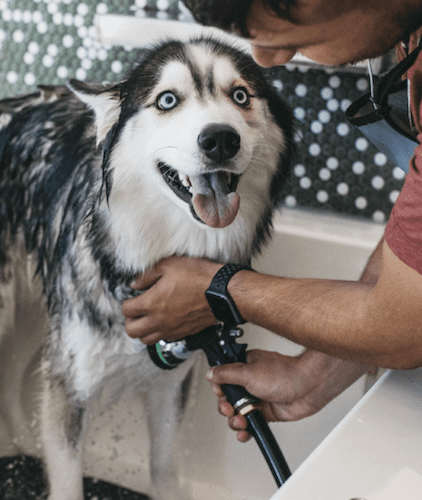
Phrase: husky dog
pixel 186 156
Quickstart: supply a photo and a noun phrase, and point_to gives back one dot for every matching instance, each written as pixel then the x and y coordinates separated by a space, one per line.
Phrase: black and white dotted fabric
pixel 337 169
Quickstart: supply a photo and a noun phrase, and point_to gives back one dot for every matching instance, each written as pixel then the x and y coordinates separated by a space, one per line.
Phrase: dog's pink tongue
pixel 212 200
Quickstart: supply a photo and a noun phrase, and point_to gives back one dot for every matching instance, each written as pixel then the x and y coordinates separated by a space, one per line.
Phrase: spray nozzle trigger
pixel 219 345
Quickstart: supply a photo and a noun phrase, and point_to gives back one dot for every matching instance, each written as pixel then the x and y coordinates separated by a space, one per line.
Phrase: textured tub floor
pixel 21 478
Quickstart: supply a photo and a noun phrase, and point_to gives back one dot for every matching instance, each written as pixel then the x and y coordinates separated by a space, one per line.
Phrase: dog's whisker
pixel 163 148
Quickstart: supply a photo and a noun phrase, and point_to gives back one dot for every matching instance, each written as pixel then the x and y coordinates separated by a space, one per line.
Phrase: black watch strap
pixel 219 299
pixel 221 279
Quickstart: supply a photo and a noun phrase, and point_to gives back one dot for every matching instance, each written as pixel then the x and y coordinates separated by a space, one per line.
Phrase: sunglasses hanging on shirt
pixel 383 115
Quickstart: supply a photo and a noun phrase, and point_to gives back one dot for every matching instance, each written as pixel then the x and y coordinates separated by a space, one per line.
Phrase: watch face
pixel 223 308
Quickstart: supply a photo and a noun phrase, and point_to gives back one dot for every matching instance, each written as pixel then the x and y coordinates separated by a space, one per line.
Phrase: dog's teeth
pixel 184 179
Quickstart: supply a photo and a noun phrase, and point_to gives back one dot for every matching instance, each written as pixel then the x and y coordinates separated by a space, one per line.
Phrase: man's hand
pixel 290 388
pixel 174 304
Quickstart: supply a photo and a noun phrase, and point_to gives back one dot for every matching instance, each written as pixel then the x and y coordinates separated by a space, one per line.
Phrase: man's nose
pixel 268 57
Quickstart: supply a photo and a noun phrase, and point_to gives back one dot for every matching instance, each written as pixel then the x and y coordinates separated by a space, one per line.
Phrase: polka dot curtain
pixel 337 170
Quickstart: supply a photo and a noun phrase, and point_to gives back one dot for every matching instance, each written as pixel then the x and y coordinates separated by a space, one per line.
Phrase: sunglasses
pixel 383 115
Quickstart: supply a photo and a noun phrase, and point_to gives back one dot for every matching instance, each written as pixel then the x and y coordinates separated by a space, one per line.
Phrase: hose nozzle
pixel 219 344
pixel 169 355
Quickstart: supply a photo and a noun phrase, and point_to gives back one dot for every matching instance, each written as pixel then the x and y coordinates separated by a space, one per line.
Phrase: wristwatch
pixel 219 299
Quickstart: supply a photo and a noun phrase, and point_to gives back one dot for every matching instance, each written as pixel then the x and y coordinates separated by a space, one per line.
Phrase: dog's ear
pixel 103 100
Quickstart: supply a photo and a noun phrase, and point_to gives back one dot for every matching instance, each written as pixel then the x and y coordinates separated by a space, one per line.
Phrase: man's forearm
pixel 322 315
pixel 334 374
pixel 350 320
pixel 341 373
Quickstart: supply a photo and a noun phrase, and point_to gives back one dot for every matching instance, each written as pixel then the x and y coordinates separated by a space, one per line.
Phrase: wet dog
pixel 186 156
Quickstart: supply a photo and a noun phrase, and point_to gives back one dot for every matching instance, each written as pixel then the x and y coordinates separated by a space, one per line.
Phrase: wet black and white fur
pixel 187 156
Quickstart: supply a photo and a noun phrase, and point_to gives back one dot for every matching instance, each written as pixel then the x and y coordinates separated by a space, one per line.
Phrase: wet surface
pixel 22 478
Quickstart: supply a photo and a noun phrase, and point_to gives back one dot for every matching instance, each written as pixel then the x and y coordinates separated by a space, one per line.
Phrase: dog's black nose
pixel 219 142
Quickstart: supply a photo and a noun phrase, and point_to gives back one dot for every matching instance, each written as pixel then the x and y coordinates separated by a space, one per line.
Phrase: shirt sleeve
pixel 403 233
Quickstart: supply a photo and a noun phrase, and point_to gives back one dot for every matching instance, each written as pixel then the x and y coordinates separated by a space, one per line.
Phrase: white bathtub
pixel 213 462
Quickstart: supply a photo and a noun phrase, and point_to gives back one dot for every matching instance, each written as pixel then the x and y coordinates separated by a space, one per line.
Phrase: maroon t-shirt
pixel 403 233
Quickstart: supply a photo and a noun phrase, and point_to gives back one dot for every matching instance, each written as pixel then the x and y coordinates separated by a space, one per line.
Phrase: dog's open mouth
pixel 212 196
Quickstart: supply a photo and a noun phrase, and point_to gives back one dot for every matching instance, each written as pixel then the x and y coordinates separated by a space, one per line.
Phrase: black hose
pixel 258 427
pixel 218 343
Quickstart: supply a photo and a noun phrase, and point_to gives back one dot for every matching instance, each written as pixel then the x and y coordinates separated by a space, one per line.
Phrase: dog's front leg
pixel 62 429
pixel 166 405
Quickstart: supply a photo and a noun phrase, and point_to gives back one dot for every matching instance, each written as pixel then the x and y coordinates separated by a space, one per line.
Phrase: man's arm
pixel 375 323
pixel 290 388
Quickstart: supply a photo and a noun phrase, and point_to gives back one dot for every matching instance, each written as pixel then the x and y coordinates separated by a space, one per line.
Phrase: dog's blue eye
pixel 240 96
pixel 167 100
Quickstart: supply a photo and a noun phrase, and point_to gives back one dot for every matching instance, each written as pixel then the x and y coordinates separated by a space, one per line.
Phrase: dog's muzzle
pixel 212 195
